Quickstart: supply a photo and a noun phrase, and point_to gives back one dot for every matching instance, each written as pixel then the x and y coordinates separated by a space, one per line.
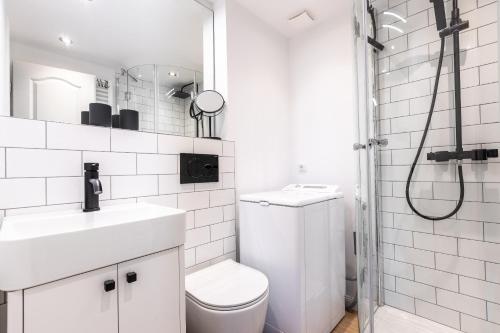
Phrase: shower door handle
pixel 378 142
pixel 358 146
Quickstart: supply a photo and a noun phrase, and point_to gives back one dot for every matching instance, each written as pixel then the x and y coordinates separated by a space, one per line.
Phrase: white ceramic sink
pixel 37 249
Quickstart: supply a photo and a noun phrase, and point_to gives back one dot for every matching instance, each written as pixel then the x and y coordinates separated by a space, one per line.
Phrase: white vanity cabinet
pixel 149 295
pixel 78 304
pixel 141 295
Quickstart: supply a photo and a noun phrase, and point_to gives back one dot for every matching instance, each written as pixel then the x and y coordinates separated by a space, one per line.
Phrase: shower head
pixel 181 94
pixel 440 14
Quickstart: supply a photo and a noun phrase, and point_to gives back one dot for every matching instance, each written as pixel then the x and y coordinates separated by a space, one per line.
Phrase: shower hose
pixel 419 151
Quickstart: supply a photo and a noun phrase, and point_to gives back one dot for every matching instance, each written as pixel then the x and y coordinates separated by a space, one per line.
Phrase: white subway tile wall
pixel 446 271
pixel 41 169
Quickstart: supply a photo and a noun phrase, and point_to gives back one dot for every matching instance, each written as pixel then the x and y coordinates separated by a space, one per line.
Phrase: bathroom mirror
pixel 147 60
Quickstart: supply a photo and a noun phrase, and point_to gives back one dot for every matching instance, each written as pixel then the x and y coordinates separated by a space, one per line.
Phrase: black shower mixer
pixel 475 155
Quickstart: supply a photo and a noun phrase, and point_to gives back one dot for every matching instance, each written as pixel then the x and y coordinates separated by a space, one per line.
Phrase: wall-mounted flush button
pixel 199 168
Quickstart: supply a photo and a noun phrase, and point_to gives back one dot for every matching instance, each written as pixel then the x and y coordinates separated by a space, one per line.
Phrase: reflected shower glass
pixel 162 95
pixel 176 89
pixel 135 91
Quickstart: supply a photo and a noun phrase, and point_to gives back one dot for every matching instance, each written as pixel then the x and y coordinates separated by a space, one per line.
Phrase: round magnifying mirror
pixel 210 101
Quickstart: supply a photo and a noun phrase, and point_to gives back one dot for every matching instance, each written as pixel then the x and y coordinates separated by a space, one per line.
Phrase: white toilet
pixel 226 298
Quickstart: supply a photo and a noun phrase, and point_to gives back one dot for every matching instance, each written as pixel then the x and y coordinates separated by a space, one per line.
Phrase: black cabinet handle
pixel 109 285
pixel 131 277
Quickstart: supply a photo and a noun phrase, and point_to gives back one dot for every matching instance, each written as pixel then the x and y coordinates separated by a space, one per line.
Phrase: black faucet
pixel 93 187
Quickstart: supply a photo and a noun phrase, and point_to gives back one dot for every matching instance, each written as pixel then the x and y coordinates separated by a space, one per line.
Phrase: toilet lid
pixel 226 285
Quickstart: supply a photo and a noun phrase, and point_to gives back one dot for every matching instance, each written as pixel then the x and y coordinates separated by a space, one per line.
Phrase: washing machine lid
pixel 226 285
pixel 296 195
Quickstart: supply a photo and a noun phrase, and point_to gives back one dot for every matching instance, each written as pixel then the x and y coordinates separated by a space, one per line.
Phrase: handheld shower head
pixel 440 14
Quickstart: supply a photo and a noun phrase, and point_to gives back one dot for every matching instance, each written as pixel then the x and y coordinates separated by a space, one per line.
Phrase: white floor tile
pixel 391 320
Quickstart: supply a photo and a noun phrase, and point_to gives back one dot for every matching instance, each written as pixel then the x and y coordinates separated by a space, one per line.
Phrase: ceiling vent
pixel 303 17
pixel 301 21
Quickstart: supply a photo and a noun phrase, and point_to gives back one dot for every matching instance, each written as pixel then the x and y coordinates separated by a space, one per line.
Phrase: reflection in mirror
pixel 162 96
pixel 108 63
pixel 204 109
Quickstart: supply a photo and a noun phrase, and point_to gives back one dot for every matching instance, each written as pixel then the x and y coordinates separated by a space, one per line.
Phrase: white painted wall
pixel 290 102
pixel 322 104
pixel 4 62
pixel 258 117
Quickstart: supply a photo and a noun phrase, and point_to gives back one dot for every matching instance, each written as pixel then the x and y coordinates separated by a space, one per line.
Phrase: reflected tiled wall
pixel 446 271
pixel 171 118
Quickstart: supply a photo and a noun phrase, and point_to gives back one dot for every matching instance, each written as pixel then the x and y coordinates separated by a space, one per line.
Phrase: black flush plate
pixel 199 168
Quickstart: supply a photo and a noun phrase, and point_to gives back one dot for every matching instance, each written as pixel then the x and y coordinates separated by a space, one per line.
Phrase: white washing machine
pixel 296 237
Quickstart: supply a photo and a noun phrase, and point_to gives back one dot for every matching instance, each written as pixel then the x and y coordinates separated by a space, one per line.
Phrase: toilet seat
pixel 225 308
pixel 227 286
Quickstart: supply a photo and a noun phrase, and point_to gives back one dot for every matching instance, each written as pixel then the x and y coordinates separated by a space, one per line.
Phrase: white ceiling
pixel 277 12
pixel 114 32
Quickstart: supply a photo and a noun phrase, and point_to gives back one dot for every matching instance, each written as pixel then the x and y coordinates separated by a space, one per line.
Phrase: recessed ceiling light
pixel 173 74
pixel 139 76
pixel 65 40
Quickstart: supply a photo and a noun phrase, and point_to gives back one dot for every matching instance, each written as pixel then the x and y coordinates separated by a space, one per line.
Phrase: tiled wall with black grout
pixel 445 271
pixel 41 169
pixel 173 113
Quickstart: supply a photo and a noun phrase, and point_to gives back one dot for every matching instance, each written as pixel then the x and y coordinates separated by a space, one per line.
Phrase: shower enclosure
pixel 440 274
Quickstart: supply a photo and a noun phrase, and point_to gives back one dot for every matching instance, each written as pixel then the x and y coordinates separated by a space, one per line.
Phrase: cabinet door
pixel 78 305
pixel 151 303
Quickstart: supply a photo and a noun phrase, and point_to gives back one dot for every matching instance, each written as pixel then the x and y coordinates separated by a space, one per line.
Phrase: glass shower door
pixel 366 148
